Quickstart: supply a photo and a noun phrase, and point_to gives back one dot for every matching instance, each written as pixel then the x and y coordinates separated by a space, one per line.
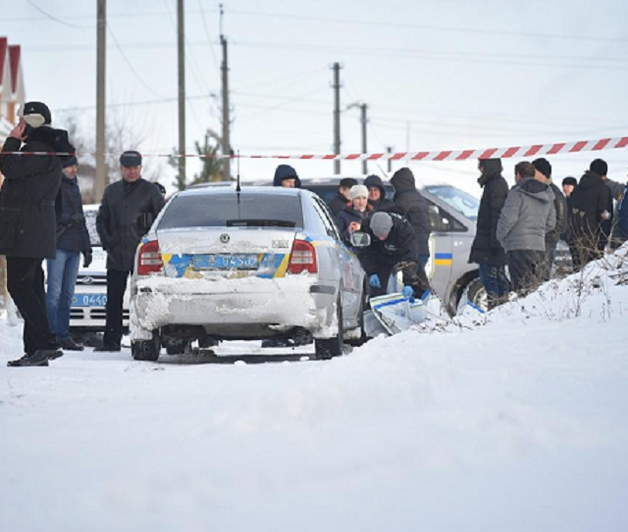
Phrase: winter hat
pixel 285 171
pixel 347 182
pixel 543 166
pixel 359 191
pixel 131 158
pixel 599 166
pixel 69 161
pixel 35 114
pixel 570 181
pixel 381 224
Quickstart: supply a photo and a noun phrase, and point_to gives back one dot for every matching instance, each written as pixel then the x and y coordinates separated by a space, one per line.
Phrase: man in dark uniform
pixel 128 209
pixel 393 245
pixel 27 224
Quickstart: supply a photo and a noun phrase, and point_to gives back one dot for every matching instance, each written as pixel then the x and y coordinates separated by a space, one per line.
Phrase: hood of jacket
pixel 403 180
pixel 490 168
pixel 589 180
pixel 535 189
pixel 285 171
pixel 375 181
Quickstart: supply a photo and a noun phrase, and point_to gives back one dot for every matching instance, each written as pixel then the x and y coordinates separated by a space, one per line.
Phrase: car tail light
pixel 302 258
pixel 149 259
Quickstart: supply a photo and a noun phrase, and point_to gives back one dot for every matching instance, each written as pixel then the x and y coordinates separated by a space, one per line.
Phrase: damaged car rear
pixel 223 264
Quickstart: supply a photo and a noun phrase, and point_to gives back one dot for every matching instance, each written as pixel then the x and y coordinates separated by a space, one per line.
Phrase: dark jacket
pixel 591 211
pixel 527 216
pixel 337 203
pixel 72 233
pixel 383 203
pixel 414 205
pixel 125 215
pixel 285 171
pixel 486 249
pixel 560 208
pixel 348 215
pixel 28 195
pixel 400 246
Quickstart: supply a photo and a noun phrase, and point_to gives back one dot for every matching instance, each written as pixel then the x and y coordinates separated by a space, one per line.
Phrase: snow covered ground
pixel 518 424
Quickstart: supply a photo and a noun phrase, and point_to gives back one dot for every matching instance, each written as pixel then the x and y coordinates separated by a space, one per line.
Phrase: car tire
pixel 146 350
pixel 476 294
pixel 327 348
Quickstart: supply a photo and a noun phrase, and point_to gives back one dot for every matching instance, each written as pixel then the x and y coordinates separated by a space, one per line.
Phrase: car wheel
pixel 476 294
pixel 327 348
pixel 146 349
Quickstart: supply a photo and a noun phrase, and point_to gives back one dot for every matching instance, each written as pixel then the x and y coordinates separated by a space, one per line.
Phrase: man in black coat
pixel 72 240
pixel 591 215
pixel 342 199
pixel 486 250
pixel 393 244
pixel 416 209
pixel 544 174
pixel 377 194
pixel 27 224
pixel 127 211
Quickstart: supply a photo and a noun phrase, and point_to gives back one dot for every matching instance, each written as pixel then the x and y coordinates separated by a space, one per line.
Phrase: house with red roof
pixel 11 85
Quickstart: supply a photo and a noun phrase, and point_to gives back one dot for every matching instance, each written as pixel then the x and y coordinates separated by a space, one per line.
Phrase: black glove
pixel 77 218
pixel 87 258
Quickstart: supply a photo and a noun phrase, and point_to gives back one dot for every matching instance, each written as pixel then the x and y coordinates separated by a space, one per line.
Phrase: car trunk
pixel 226 252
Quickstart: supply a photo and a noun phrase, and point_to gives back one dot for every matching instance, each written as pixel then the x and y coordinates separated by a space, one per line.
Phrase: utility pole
pixel 363 120
pixel 226 143
pixel 336 87
pixel 100 180
pixel 363 108
pixel 181 71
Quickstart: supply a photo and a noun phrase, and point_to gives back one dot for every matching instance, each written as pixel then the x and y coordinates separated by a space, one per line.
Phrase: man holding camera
pixel 72 240
pixel 127 211
pixel 28 221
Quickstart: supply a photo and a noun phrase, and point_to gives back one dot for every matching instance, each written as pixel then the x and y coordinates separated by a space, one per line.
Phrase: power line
pixel 58 20
pixel 126 60
pixel 501 33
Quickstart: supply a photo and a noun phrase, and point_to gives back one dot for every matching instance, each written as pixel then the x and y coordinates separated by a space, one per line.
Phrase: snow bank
pixel 517 424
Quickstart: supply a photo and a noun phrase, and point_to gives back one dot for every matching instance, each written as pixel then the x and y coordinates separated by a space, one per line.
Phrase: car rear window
pixel 220 210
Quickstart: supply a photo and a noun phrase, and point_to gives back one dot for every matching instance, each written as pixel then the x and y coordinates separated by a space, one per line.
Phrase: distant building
pixel 11 86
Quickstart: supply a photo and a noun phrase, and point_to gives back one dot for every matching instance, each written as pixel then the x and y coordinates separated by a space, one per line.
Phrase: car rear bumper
pixel 234 309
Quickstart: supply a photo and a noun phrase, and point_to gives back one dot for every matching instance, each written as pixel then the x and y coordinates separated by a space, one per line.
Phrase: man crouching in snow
pixel 393 244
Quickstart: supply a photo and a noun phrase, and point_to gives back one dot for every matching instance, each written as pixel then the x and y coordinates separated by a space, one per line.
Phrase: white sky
pixel 436 75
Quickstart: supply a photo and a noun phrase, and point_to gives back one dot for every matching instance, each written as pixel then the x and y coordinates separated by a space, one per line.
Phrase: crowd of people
pixel 521 227
pixel 42 218
pixel 399 228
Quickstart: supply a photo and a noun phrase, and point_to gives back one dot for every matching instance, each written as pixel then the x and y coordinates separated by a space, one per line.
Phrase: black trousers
pixel 527 269
pixel 116 285
pixel 413 275
pixel 25 281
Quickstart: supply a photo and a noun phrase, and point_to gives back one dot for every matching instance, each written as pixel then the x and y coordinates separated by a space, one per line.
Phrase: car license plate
pixel 242 261
pixel 89 300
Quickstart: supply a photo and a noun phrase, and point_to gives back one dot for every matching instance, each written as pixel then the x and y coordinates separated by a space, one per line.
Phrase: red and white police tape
pixel 534 150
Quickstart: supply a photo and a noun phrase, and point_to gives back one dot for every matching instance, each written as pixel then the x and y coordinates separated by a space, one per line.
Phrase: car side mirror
pixel 360 240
